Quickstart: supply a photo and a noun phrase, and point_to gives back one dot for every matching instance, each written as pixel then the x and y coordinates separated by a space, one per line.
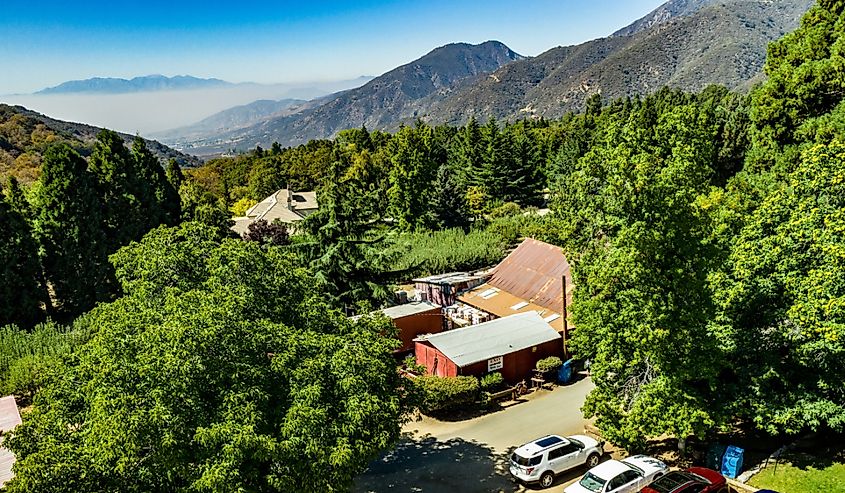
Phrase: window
pixel 548 441
pixel 525 461
pixel 616 482
pixel 557 453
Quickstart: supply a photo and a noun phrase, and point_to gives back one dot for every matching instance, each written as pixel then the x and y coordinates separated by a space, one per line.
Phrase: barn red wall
pixel 413 326
pixel 436 363
pixel 519 365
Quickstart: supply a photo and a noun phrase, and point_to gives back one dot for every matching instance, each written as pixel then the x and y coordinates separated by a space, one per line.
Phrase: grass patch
pixel 802 473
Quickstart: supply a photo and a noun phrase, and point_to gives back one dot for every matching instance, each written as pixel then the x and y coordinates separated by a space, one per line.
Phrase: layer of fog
pixel 149 112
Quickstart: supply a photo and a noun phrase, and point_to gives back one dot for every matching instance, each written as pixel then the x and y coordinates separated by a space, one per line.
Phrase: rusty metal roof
pixel 535 272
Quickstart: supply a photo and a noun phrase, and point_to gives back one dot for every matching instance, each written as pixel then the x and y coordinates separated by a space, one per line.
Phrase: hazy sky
pixel 46 42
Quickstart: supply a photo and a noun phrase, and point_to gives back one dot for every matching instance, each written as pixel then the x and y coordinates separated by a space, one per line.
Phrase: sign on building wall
pixel 494 364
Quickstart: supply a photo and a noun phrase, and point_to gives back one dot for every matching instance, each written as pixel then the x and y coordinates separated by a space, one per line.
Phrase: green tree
pixel 122 189
pixel 21 289
pixel 781 300
pixel 159 199
pixel 68 230
pixel 235 378
pixel 174 174
pixel 448 203
pixel 346 246
pixel 412 177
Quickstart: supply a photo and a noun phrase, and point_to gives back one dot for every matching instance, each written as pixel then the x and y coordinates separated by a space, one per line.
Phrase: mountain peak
pixel 665 13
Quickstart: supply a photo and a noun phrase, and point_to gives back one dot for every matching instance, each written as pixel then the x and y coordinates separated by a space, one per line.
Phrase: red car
pixel 693 480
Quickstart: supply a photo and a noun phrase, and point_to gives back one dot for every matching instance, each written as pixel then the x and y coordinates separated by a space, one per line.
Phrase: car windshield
pixel 592 482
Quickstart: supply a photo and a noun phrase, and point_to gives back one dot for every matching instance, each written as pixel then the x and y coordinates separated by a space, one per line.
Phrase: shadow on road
pixel 429 466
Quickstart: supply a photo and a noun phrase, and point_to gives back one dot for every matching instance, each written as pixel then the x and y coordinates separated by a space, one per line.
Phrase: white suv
pixel 625 476
pixel 539 461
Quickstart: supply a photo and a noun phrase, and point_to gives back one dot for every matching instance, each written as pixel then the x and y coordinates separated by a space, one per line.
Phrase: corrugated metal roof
pixel 408 309
pixel 503 304
pixel 450 278
pixel 9 419
pixel 499 337
pixel 535 272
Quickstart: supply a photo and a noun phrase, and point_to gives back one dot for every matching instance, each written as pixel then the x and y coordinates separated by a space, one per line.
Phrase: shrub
pixel 508 209
pixel 549 364
pixel 412 366
pixel 442 394
pixel 491 382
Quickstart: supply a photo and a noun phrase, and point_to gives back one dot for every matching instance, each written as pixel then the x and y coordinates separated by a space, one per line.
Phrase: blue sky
pixel 47 42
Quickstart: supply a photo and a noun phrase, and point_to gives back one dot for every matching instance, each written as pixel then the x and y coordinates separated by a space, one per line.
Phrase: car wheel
pixel 547 479
pixel 593 460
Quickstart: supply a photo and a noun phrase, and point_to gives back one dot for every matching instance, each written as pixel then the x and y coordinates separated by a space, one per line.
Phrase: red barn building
pixel 414 320
pixel 511 345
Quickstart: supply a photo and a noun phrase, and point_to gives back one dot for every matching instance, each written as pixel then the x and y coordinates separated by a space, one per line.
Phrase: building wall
pixel 413 326
pixel 435 361
pixel 515 366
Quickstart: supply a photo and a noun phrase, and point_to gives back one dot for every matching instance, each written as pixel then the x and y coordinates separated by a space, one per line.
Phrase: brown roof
pixel 535 271
pixel 503 304
pixel 9 419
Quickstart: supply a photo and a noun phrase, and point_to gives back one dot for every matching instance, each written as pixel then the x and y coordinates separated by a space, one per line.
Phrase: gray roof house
pixel 284 205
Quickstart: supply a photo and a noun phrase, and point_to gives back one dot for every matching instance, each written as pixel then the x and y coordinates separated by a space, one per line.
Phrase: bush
pixel 412 366
pixel 443 394
pixel 549 364
pixel 492 382
pixel 508 209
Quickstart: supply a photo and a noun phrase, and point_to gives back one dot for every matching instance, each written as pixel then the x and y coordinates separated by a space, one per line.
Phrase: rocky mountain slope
pixel 723 42
pixel 234 118
pixel 375 104
pixel 687 44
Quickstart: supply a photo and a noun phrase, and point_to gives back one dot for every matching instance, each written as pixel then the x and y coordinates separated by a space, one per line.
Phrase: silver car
pixel 541 460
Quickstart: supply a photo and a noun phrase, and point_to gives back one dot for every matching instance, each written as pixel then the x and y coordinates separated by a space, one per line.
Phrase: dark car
pixel 693 480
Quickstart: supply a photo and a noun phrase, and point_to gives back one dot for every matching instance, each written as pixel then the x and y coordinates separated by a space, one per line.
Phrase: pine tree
pixel 412 177
pixel 174 174
pixel 448 203
pixel 68 229
pixel 123 191
pixel 159 199
pixel 17 199
pixel 345 249
pixel 21 290
pixel 465 156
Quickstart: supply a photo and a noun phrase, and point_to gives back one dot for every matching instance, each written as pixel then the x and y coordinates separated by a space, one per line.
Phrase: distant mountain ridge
pixel 686 44
pixel 234 118
pixel 376 103
pixel 147 83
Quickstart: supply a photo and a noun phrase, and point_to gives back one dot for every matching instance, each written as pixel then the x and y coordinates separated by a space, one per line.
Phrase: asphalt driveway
pixel 471 456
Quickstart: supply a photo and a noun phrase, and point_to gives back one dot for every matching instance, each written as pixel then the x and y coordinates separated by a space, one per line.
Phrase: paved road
pixel 471 456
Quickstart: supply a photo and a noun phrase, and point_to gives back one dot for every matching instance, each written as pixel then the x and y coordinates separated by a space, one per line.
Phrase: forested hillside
pixel 25 135
pixel 706 233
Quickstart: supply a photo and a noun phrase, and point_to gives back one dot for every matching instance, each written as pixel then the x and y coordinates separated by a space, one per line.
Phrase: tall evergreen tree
pixel 174 174
pixel 345 248
pixel 465 155
pixel 448 203
pixel 21 289
pixel 159 200
pixel 68 229
pixel 123 190
pixel 412 177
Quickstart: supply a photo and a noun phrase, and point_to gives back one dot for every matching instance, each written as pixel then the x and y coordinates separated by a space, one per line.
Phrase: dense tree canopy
pixel 226 372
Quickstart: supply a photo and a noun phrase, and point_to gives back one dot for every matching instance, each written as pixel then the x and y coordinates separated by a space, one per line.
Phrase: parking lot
pixel 471 456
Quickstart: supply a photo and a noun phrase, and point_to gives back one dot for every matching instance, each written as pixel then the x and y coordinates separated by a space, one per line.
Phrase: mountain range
pixel 687 44
pixel 147 83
